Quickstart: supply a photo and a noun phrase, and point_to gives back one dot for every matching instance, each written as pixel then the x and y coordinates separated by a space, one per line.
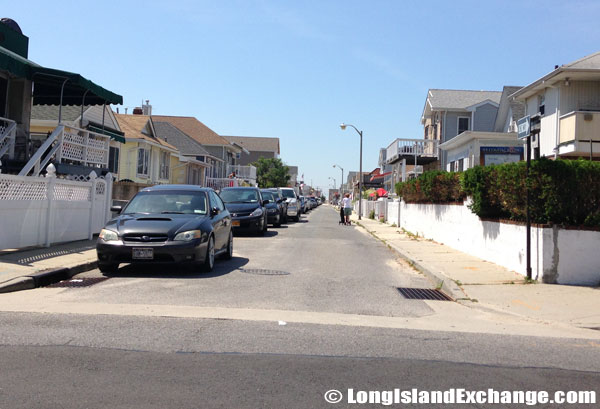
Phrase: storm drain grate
pixel 264 272
pixel 78 282
pixel 423 294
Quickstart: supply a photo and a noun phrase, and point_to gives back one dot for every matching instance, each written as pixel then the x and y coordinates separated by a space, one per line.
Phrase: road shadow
pixel 268 233
pixel 221 268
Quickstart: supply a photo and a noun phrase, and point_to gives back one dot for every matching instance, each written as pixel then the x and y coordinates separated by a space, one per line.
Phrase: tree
pixel 271 172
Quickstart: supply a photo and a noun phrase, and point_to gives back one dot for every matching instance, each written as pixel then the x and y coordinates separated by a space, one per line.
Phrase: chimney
pixel 147 108
pixel 117 110
pixel 125 111
pixel 138 111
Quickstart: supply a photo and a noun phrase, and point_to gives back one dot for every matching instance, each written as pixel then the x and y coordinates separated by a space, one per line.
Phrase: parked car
pixel 313 202
pixel 277 193
pixel 275 209
pixel 302 204
pixel 167 223
pixel 292 201
pixel 247 208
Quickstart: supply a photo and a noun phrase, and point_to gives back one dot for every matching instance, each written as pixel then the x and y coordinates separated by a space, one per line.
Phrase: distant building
pixel 258 147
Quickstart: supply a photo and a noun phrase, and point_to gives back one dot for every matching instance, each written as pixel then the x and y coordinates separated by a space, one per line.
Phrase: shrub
pixel 432 187
pixel 372 214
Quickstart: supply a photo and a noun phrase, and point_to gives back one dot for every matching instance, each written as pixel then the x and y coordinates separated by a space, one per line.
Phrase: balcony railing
pixel 8 132
pixel 412 147
pixel 76 145
pixel 242 172
pixel 580 133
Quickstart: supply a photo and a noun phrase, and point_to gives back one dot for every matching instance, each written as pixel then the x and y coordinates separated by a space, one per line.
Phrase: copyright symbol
pixel 333 396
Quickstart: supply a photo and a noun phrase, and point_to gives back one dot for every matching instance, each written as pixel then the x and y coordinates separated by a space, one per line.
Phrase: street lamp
pixel 342 182
pixel 360 176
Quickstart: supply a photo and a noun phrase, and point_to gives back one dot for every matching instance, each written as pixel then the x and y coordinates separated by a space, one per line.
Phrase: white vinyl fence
pixel 44 210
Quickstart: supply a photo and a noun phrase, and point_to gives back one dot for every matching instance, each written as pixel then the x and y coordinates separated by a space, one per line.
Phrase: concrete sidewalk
pixel 35 267
pixel 481 284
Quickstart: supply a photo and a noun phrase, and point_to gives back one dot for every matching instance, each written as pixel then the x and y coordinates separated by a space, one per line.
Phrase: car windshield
pixel 168 202
pixel 268 196
pixel 288 193
pixel 239 195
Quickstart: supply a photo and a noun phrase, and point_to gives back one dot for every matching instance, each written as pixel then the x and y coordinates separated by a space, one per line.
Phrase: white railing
pixel 242 172
pixel 220 183
pixel 8 134
pixel 44 210
pixel 81 146
pixel 411 147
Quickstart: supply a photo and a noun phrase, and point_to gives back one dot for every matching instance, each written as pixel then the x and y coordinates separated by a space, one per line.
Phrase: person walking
pixel 347 206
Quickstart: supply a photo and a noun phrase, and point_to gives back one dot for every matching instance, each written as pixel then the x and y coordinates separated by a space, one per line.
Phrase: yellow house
pixel 144 158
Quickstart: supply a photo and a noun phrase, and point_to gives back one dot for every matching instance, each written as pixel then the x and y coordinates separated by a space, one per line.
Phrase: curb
pixel 441 281
pixel 45 278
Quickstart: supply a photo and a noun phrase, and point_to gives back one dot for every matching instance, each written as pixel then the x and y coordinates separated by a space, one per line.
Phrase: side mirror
pixel 116 209
pixel 214 211
pixel 265 202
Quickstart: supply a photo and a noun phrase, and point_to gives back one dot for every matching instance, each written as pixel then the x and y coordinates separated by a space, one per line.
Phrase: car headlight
pixel 257 212
pixel 108 235
pixel 188 235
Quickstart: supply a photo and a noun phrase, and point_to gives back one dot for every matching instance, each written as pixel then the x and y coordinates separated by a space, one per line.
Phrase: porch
pixel 580 135
pixel 415 151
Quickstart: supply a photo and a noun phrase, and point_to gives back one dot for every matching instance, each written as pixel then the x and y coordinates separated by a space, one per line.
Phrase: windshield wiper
pixel 169 212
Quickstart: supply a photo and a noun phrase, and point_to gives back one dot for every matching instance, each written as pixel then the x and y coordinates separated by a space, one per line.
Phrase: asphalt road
pixel 167 338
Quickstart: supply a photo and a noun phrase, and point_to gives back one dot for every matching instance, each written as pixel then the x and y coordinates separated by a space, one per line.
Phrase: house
pixel 293 172
pixel 216 145
pixel 24 84
pixel 258 147
pixel 145 159
pixel 190 166
pixel 568 101
pixel 499 144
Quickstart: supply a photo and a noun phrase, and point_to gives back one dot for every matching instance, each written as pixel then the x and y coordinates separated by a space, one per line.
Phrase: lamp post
pixel 342 182
pixel 360 176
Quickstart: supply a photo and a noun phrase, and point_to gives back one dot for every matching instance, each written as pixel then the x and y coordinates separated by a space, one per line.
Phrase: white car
pixel 291 198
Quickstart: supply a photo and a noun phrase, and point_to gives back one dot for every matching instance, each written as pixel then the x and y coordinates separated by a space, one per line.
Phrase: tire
pixel 108 267
pixel 229 253
pixel 297 218
pixel 209 258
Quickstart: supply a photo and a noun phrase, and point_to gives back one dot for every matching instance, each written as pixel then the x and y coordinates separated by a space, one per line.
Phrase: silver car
pixel 291 198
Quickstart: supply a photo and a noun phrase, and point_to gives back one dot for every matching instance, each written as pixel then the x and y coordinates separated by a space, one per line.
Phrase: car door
pixel 220 221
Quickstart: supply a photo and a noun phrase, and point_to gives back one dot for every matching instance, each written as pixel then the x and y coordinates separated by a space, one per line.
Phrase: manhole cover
pixel 263 272
pixel 423 294
pixel 78 282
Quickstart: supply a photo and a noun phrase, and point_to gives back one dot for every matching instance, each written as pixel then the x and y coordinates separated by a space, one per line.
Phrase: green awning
pixel 114 134
pixel 48 83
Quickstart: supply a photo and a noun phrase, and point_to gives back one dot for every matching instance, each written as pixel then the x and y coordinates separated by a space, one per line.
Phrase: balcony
pixel 423 151
pixel 247 173
pixel 580 134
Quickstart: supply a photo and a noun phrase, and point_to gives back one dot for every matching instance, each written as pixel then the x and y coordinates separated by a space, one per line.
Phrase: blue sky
pixel 297 69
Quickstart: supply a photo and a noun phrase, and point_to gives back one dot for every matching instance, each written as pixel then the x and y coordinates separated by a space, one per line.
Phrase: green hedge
pixel 563 192
pixel 434 186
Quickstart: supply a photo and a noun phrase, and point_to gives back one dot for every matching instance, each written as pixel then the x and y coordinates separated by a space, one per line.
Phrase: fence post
pixel 93 183
pixel 108 178
pixel 51 175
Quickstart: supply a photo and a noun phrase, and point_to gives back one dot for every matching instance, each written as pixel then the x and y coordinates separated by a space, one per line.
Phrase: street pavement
pixel 310 307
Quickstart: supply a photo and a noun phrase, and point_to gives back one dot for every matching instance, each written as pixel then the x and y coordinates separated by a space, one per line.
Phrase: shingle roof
pixel 193 128
pixel 591 61
pixel 256 144
pixel 172 135
pixel 50 112
pixel 459 99
pixel 506 103
pixel 132 126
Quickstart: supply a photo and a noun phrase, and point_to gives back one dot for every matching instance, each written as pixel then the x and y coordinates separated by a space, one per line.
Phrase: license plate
pixel 143 254
pixel 235 223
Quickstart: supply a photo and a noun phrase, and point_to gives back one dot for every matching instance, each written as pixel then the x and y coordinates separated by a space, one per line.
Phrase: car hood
pixel 169 224
pixel 241 207
pixel 291 200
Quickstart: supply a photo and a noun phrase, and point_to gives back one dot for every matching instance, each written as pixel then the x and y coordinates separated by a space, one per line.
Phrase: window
pixel 143 161
pixel 463 124
pixel 541 104
pixel 113 160
pixel 163 165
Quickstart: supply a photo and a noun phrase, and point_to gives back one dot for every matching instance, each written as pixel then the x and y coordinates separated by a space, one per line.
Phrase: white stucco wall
pixel 557 255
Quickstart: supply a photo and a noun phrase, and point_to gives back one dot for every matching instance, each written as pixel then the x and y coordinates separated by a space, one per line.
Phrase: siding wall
pixel 580 95
pixel 485 118
pixel 254 156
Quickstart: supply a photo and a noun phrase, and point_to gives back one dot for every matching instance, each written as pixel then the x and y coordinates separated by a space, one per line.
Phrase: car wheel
pixel 108 267
pixel 229 253
pixel 297 218
pixel 209 259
